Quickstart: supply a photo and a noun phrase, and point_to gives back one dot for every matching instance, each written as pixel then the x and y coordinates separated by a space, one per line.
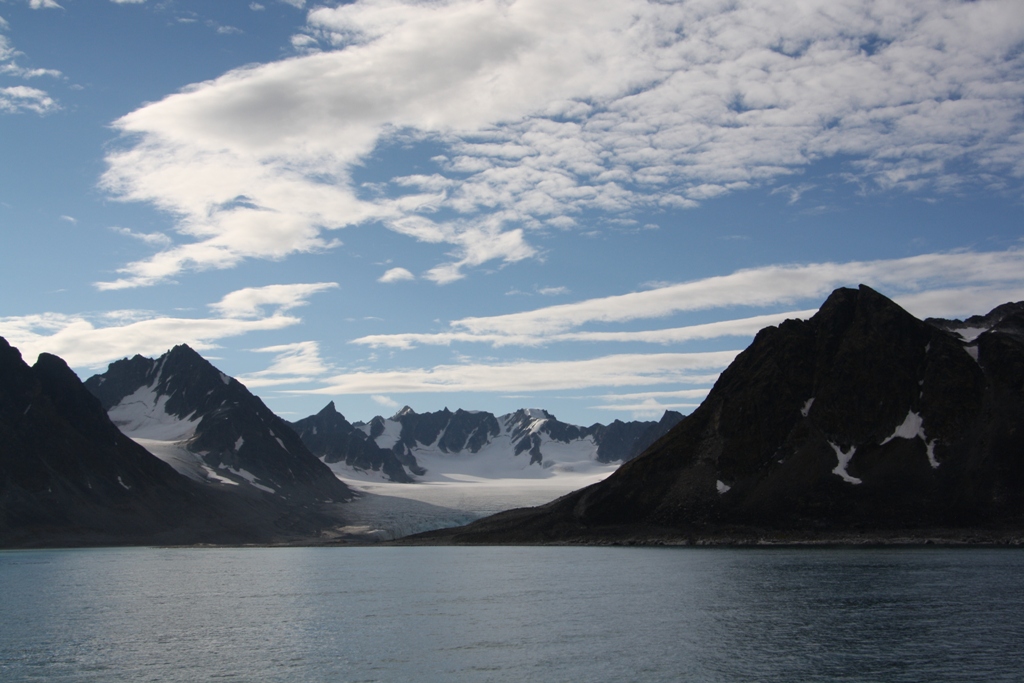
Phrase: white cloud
pixel 549 109
pixel 128 2
pixel 652 404
pixel 649 409
pixel 43 4
pixel 249 302
pixel 940 285
pixel 294 363
pixel 396 275
pixel 70 219
pixel 92 341
pixel 19 98
pixel 532 376
pixel 742 327
pixel 154 238
pixel 297 4
pixel 80 342
pixel 385 401
pixel 766 286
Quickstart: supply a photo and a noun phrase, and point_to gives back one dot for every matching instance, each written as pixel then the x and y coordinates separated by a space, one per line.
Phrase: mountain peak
pixel 328 409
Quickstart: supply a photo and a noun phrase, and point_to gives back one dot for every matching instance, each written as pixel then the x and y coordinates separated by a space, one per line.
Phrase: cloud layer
pixel 93 341
pixel 616 370
pixel 939 285
pixel 545 110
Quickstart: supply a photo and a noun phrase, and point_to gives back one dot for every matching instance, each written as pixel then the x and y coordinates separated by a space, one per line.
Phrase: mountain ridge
pixel 235 439
pixel 395 446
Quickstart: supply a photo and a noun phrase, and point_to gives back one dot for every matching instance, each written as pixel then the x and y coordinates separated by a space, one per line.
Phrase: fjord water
pixel 512 614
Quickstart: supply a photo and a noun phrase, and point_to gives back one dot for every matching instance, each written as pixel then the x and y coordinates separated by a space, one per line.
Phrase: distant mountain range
pixel 860 420
pixel 410 445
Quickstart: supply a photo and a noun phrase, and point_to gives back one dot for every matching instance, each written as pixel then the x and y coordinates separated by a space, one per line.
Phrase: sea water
pixel 512 614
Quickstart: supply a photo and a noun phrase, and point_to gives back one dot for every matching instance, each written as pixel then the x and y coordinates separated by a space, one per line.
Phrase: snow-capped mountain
pixel 65 469
pixel 331 437
pixel 862 419
pixel 529 443
pixel 68 476
pixel 210 428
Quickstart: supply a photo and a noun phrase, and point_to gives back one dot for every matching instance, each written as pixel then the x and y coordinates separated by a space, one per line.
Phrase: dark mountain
pixel 860 420
pixel 233 438
pixel 390 446
pixel 68 476
pixel 330 436
pixel 626 440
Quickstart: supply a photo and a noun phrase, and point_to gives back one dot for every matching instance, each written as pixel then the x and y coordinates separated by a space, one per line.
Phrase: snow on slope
pixel 497 458
pixel 184 461
pixel 463 486
pixel 143 415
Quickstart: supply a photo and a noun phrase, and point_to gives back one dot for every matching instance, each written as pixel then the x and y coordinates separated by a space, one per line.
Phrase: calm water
pixel 512 614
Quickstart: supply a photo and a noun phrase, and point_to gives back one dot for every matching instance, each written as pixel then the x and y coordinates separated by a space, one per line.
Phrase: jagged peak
pixel 406 410
pixel 184 351
pixel 328 409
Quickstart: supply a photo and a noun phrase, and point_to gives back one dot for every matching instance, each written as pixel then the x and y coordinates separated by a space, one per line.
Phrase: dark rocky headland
pixel 862 424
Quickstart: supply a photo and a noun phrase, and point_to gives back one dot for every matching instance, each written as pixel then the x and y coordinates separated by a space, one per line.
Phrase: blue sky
pixel 588 206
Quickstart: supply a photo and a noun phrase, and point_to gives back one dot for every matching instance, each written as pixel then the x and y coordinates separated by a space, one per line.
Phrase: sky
pixel 587 206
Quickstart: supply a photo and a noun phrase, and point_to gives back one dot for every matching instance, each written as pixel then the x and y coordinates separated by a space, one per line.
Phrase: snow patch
pixel 972 351
pixel 184 461
pixel 224 378
pixel 910 429
pixel 143 414
pixel 121 482
pixel 211 475
pixel 722 486
pixel 844 461
pixel 969 334
pixel 278 439
pixel 913 428
pixel 931 454
pixel 392 433
pixel 807 407
pixel 238 444
pixel 249 477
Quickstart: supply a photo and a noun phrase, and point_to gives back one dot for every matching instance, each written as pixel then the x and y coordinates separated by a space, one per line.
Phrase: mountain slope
pixel 68 476
pixel 862 418
pixel 211 428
